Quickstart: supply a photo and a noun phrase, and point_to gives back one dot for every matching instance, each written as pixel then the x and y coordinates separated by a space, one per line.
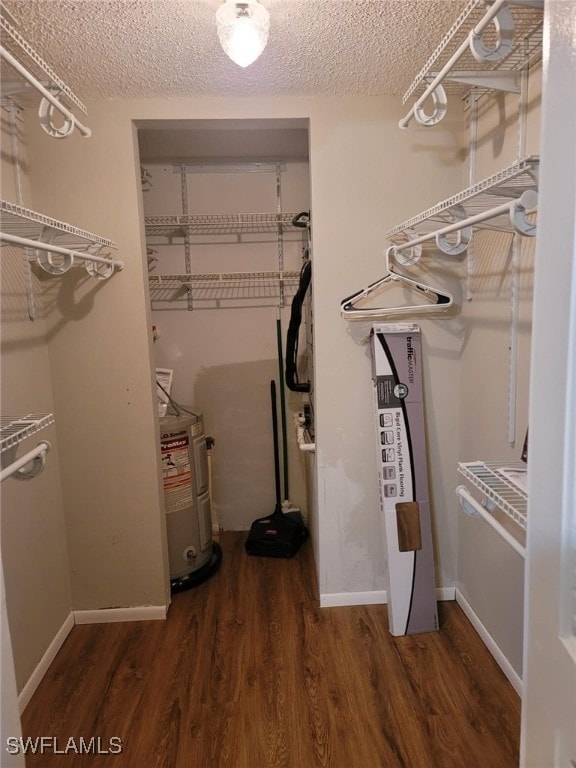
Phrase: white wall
pixel 368 176
pixel 34 554
pixel 224 351
pixel 99 348
pixel 487 565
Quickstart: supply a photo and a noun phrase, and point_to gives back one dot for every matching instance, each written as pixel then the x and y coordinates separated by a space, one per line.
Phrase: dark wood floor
pixel 248 672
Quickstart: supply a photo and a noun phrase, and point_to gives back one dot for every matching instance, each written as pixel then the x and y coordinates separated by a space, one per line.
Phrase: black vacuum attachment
pixel 281 533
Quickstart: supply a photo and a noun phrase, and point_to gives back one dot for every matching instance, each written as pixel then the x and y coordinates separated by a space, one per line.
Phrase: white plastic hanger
pixel 439 301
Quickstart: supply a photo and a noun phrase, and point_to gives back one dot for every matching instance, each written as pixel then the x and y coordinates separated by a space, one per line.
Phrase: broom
pixel 279 534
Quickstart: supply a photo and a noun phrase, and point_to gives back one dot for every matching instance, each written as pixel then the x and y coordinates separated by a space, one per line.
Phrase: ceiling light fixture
pixel 243 30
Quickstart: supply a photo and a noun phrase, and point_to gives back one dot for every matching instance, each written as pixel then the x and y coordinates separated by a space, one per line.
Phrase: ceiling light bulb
pixel 243 30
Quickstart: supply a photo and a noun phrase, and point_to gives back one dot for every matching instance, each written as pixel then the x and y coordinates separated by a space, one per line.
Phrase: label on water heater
pixel 174 447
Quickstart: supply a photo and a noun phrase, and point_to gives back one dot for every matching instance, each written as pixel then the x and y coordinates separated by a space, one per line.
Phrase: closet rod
pixel 491 13
pixel 36 457
pixel 38 244
pixel 515 208
pixel 45 116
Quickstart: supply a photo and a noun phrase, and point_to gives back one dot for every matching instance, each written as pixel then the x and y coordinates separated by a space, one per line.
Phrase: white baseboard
pixel 143 613
pixel 490 643
pixel 107 615
pixel 377 597
pixel 42 667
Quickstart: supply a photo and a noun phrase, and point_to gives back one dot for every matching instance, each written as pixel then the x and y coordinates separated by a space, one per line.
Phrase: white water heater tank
pixel 186 497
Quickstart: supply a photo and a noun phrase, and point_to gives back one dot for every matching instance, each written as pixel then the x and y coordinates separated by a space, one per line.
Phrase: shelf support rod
pixel 71 121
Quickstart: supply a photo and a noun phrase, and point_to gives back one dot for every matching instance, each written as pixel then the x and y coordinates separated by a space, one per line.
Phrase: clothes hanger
pixel 439 301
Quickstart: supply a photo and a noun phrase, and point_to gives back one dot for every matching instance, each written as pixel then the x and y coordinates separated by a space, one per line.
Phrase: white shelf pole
pixel 36 457
pixel 49 247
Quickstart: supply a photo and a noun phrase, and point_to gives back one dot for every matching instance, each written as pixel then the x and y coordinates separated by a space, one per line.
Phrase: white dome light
pixel 243 30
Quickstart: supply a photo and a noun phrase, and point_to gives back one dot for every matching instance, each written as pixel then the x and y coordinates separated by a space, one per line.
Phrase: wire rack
pixel 14 429
pixel 528 34
pixel 223 285
pixel 218 224
pixel 12 41
pixel 493 480
pixel 502 187
pixel 15 220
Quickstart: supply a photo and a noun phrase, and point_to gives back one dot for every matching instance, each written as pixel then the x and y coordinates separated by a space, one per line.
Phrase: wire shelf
pixel 528 34
pixel 493 479
pixel 223 286
pixel 12 41
pixel 218 224
pixel 15 220
pixel 14 429
pixel 503 187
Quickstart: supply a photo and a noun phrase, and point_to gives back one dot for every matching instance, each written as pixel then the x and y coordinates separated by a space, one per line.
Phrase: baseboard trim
pixel 376 597
pixel 490 643
pixel 42 667
pixel 108 615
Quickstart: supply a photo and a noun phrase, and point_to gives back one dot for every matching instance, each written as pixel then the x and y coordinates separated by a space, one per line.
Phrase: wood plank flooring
pixel 248 672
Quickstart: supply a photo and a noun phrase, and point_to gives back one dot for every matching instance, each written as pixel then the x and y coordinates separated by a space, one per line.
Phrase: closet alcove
pixel 224 258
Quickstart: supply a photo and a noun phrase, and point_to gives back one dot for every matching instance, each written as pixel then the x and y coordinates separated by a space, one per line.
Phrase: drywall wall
pixel 224 351
pixel 490 572
pixel 98 341
pixel 38 597
pixel 366 175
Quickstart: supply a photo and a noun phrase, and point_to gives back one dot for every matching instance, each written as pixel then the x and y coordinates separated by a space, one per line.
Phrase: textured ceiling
pixel 163 48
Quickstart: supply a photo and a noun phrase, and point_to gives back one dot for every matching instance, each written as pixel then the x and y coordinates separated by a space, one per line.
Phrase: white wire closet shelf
pixel 173 228
pixel 484 50
pixel 502 202
pixel 15 429
pixel 54 245
pixel 223 285
pixel 32 71
pixel 493 479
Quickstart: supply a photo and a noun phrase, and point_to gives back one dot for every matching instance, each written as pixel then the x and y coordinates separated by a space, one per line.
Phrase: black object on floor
pixel 200 575
pixel 280 534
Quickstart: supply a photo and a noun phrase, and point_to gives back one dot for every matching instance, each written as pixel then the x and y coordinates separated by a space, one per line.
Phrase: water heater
pixel 186 498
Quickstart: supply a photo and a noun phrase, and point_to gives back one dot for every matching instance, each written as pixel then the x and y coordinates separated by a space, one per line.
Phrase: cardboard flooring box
pixel 403 477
